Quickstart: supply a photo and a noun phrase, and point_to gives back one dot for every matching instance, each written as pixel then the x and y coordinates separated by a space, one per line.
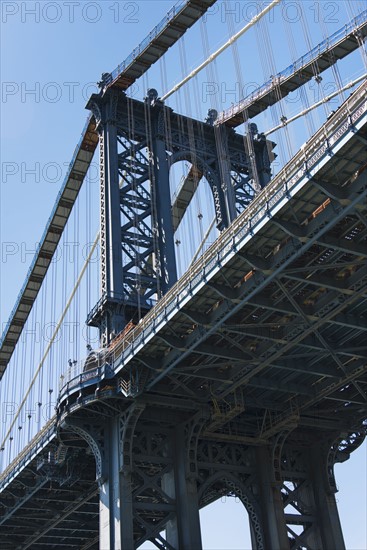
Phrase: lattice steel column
pixel 325 504
pixel 224 162
pixel 140 141
pixel 273 521
pixel 162 217
pixel 263 156
pixel 111 319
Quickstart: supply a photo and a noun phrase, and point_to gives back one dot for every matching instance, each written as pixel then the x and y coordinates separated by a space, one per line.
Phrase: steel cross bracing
pixel 68 495
pixel 248 378
pixel 337 46
pixel 172 27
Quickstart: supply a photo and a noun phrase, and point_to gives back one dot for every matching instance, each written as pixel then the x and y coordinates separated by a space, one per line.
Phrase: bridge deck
pixel 180 18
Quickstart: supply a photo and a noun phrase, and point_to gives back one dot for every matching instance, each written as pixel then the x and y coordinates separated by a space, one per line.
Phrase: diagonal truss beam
pixel 82 499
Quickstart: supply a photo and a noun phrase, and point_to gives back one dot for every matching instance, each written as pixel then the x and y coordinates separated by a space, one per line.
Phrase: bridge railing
pixel 79 375
pixel 121 68
pixel 38 442
pixel 259 210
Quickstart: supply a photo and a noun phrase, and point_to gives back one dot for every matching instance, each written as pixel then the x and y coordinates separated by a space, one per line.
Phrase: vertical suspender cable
pixel 53 337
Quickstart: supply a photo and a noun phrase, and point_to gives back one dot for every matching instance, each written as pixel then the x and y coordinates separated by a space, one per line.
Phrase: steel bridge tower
pixel 139 143
pixel 154 468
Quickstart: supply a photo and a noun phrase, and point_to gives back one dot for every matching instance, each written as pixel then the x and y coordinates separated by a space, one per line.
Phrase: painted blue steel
pixel 179 7
pixel 85 379
pixel 306 59
pixel 114 296
pixel 232 240
pixel 224 256
pixel 240 232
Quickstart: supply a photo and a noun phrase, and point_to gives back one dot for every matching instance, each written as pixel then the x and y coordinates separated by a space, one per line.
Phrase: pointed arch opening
pixel 194 211
pixel 233 518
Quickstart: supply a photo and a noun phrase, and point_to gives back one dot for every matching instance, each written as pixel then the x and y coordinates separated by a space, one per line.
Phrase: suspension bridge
pixel 237 370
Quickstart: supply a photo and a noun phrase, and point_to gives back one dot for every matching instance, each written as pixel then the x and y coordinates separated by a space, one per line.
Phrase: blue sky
pixel 52 55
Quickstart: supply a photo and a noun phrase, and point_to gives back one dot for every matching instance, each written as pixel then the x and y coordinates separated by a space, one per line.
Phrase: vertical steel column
pixel 162 216
pixel 263 155
pixel 326 509
pixel 224 161
pixel 116 507
pixel 272 511
pixel 111 254
pixel 183 532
